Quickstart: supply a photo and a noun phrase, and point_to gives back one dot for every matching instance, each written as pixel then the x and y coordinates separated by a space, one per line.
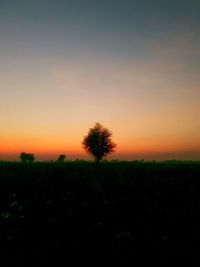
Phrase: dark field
pixel 122 213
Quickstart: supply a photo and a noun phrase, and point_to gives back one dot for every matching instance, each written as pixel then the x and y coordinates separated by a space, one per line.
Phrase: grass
pixel 122 213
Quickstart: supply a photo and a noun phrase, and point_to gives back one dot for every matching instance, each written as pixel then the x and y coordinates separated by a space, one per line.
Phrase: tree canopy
pixel 26 157
pixel 61 158
pixel 98 142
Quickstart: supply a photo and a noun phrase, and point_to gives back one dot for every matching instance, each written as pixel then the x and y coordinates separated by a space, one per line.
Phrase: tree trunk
pixel 97 161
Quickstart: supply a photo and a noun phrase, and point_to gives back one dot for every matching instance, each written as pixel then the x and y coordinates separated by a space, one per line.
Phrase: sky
pixel 131 65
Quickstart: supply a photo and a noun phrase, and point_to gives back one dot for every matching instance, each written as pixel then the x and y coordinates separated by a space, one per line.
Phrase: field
pixel 121 213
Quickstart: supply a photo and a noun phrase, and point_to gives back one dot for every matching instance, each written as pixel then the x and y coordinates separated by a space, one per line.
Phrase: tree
pixel 26 157
pixel 98 142
pixel 61 158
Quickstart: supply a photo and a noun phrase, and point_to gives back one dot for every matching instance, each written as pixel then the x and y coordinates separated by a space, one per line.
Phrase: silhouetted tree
pixel 61 158
pixel 98 142
pixel 26 157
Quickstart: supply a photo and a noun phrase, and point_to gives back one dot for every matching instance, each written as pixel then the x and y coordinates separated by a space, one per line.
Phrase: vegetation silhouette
pixel 61 158
pixel 26 157
pixel 98 142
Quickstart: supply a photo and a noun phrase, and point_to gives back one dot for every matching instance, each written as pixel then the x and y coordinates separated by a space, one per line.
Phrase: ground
pixel 121 213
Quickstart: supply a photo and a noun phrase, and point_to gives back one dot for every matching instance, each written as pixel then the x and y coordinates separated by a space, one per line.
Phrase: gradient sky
pixel 133 66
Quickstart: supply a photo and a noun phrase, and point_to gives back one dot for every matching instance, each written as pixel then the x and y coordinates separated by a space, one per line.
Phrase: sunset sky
pixel 133 66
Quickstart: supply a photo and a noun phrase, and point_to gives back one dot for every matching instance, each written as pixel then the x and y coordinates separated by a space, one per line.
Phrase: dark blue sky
pixel 105 25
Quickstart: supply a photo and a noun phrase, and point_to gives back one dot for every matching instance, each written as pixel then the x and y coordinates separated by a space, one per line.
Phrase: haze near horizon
pixel 133 66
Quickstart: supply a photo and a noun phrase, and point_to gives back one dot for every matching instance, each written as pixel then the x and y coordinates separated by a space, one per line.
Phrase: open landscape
pixel 117 213
pixel 99 133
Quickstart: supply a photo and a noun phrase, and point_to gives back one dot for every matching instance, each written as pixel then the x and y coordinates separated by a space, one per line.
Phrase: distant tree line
pixel 28 157
pixel 97 143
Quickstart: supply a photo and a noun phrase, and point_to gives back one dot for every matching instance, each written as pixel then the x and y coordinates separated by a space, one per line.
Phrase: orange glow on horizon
pixel 47 146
